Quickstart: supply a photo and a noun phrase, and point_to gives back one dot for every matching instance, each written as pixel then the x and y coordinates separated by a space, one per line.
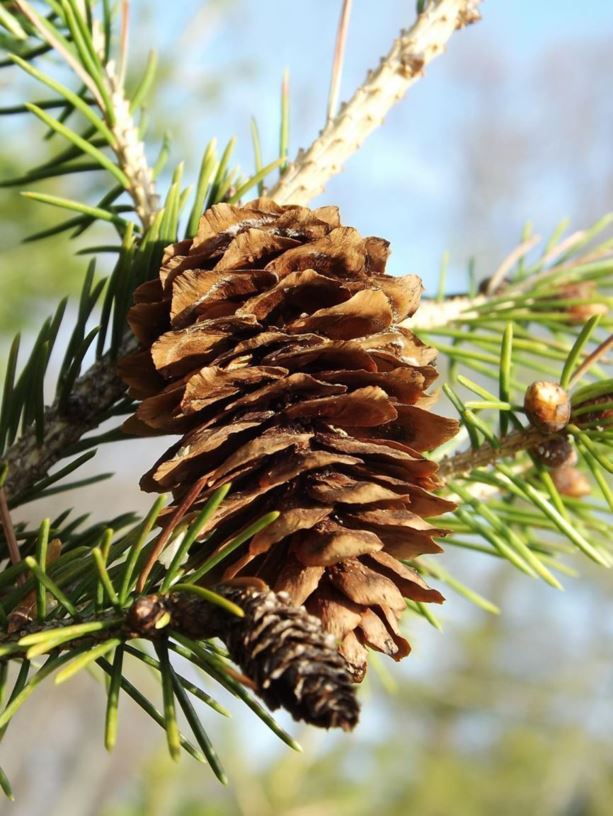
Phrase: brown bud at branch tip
pixel 547 406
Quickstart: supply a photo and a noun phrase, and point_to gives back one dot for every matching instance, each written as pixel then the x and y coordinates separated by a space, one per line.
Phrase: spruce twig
pixel 465 461
pixel 29 461
pixel 290 661
pixel 130 152
pixel 93 394
pixel 433 314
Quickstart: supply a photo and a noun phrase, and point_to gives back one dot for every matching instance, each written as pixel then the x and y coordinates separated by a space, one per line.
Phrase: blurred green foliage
pixel 30 274
pixel 506 723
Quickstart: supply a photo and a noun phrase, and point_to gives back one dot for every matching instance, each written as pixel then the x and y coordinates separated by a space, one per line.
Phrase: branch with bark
pixel 384 87
pixel 450 467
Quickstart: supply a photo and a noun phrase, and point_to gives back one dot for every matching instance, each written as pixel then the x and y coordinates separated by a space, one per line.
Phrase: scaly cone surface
pixel 271 343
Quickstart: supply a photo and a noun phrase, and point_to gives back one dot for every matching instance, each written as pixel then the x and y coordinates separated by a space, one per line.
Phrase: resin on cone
pixel 271 343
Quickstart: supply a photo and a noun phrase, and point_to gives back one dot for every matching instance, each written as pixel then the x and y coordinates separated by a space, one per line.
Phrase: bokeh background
pixel 496 714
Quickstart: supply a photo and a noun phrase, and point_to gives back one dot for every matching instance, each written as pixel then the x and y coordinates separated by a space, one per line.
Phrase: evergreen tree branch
pixel 297 667
pixel 462 463
pixel 97 390
pixel 91 398
pixel 107 89
pixel 386 85
pixel 49 36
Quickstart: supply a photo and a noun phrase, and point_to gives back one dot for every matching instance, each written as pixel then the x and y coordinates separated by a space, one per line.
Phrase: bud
pixel 145 615
pixel 570 481
pixel 579 313
pixel 547 406
pixel 485 284
pixel 556 452
pixel 600 415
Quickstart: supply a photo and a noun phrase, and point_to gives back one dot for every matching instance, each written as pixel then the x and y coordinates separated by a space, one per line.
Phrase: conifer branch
pixel 386 85
pixel 289 659
pixel 99 590
pixel 109 94
pixel 433 314
pixel 91 398
pixel 459 464
pixel 97 390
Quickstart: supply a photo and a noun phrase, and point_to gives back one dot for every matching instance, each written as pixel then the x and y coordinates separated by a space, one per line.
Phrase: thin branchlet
pixel 462 463
pixel 91 398
pixel 130 152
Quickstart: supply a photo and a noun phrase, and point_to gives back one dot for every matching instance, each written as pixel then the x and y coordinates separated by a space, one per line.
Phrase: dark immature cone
pixel 556 452
pixel 284 650
pixel 271 342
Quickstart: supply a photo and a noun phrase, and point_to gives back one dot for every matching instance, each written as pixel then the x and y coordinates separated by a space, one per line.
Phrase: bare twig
pixel 339 56
pixel 130 152
pixel 564 246
pixel 529 283
pixel 597 354
pixel 498 278
pixel 384 87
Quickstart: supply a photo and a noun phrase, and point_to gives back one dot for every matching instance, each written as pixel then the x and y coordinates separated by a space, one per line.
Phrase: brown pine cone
pixel 271 343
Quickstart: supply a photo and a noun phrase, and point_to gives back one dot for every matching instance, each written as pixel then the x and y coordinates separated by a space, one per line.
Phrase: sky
pixel 406 184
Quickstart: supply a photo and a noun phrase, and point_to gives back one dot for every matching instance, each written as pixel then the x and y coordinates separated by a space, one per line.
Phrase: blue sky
pixel 406 183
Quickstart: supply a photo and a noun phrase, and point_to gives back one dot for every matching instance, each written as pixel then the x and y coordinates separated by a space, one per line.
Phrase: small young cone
pixel 293 663
pixel 270 342
pixel 283 650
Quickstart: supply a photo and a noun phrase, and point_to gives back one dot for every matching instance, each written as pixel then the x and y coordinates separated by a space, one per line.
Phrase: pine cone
pixel 271 342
